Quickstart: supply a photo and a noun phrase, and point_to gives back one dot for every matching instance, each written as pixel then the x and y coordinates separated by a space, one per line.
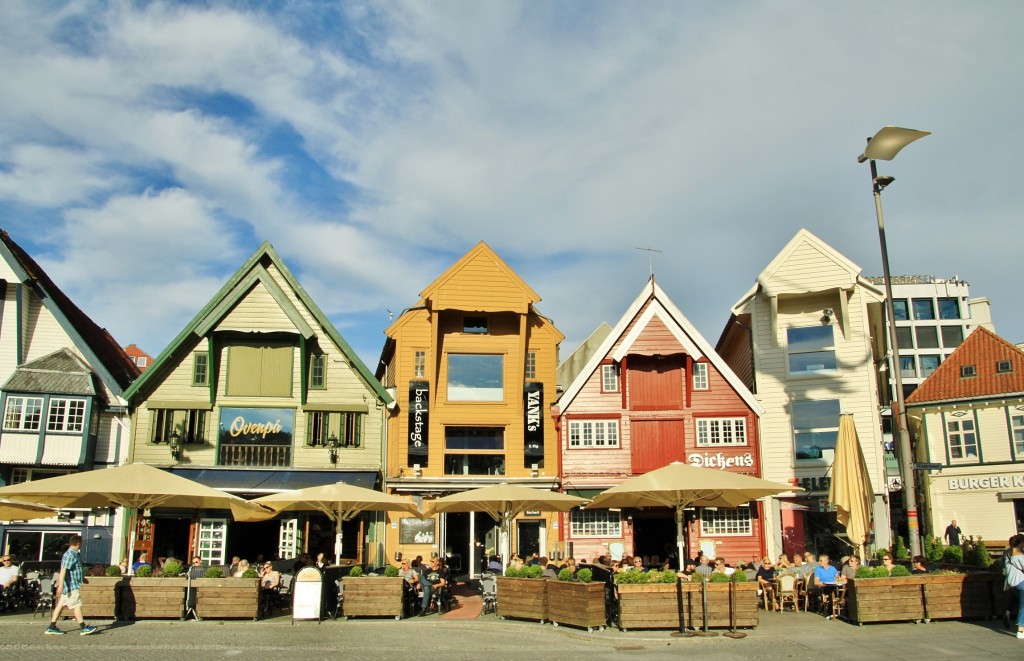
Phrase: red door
pixel 655 443
pixel 655 383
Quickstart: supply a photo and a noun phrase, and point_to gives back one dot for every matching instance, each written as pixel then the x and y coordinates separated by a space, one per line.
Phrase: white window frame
pixel 610 378
pixel 594 434
pixel 20 475
pixel 1017 433
pixel 958 433
pixel 66 415
pixel 15 413
pixel 419 364
pixel 318 371
pixel 716 432
pixel 700 376
pixel 595 523
pixel 530 369
pixel 823 349
pixel 212 541
pixel 726 522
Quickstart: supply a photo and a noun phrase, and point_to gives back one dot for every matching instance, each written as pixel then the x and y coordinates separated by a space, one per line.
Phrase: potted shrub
pixel 876 595
pixel 148 596
pixel 574 600
pixel 374 596
pixel 223 598
pixel 523 593
pixel 651 600
pixel 646 602
pixel 101 595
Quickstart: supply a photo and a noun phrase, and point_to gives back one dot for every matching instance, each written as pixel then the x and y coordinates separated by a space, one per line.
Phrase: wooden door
pixel 655 383
pixel 655 443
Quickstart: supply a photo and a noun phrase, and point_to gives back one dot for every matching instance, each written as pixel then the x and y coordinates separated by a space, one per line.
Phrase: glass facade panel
pixel 927 337
pixel 949 308
pixel 924 308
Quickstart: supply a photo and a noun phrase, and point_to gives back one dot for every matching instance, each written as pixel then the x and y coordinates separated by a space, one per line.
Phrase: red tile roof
pixel 983 349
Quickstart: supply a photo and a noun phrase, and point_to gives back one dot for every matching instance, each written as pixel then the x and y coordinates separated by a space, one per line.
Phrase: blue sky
pixel 146 149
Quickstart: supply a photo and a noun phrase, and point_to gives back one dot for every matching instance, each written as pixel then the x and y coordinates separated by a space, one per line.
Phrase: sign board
pixel 417 531
pixel 926 467
pixel 307 594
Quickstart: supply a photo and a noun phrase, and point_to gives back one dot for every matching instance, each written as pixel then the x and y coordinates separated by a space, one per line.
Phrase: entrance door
pixel 145 528
pixel 212 542
pixel 529 539
pixel 289 539
pixel 455 543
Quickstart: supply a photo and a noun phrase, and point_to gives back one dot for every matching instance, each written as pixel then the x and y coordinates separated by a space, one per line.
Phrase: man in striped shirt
pixel 69 584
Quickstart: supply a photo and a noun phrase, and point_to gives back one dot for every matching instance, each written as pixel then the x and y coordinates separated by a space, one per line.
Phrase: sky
pixel 148 148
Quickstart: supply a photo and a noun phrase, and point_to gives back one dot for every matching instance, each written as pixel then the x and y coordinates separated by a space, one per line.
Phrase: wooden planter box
pixel 656 606
pixel 101 597
pixel 373 596
pixel 525 598
pixel 227 598
pixel 156 598
pixel 925 597
pixel 576 604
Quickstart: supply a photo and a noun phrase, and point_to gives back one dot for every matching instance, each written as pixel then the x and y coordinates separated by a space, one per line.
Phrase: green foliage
pixel 583 575
pixel 113 570
pixel 900 550
pixel 144 571
pixel 172 568
pixel 355 572
pixel 533 571
pixel 698 577
pixel 565 574
pixel 879 572
pixel 881 553
pixel 250 573
pixel 391 571
pixel 933 549
pixel 739 576
pixel 514 572
pixel 667 576
pixel 953 555
pixel 631 577
pixel 719 577
pixel 899 570
pixel 864 572
pixel 214 572
pixel 977 554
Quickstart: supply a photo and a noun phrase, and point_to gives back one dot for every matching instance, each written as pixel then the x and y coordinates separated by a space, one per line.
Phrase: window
pixel 961 439
pixel 475 377
pixel 318 372
pixel 474 451
pixel 815 428
pixel 811 350
pixel 609 378
pixel 908 367
pixel 141 361
pixel 531 365
pixel 346 426
pixel 419 364
pixel 1004 367
pixel 700 376
pixel 30 545
pixel 188 424
pixel 721 431
pixel 260 370
pixel 899 306
pixel 595 523
pixel 19 475
pixel 66 415
pixel 1017 429
pixel 474 324
pixel 23 413
pixel 968 370
pixel 594 434
pixel 949 308
pixel 905 337
pixel 927 337
pixel 929 364
pixel 200 369
pixel 952 336
pixel 924 309
pixel 725 521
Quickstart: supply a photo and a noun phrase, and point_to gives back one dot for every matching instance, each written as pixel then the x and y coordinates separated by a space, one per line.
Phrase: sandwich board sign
pixel 307 594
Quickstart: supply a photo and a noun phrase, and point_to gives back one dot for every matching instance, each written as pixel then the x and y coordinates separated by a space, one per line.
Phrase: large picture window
pixel 594 434
pixel 476 377
pixel 725 521
pixel 474 450
pixel 188 424
pixel 811 350
pixel 595 523
pixel 66 415
pixel 815 428
pixel 23 413
pixel 721 431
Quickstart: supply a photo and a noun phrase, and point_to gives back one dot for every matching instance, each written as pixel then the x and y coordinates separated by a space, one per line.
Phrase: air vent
pixel 1004 366
pixel 968 370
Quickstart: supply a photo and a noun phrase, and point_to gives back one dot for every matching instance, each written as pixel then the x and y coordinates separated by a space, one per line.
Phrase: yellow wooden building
pixel 472 370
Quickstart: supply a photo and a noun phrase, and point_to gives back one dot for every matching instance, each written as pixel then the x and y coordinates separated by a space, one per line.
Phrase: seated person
pixel 918 567
pixel 887 561
pixel 720 567
pixel 123 566
pixel 826 579
pixel 766 576
pixel 433 578
pixel 851 566
pixel 703 567
pixel 570 564
pixel 142 561
pixel 243 565
pixel 407 572
pixel 270 578
pixel 233 567
pixel 196 570
pixel 10 573
pixel 494 565
pixel 638 564
pixel 550 569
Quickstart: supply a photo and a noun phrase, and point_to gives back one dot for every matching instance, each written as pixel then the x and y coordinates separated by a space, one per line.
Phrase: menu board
pixel 307 594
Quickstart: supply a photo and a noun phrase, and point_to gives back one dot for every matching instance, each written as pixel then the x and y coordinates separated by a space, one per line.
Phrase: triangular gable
pixel 60 372
pixel 480 280
pixel 655 310
pixel 832 270
pixel 983 349
pixel 251 272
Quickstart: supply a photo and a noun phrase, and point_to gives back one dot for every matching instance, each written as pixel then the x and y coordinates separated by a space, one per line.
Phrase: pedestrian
pixel 1015 581
pixel 952 535
pixel 69 584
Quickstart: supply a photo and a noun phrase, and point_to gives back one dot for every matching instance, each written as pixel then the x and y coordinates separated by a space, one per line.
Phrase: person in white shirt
pixel 9 572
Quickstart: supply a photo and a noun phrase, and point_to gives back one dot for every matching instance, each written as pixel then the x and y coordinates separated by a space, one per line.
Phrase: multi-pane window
pixel 1017 429
pixel 929 364
pixel 908 369
pixel 721 431
pixel 23 413
pixel 419 364
pixel 318 371
pixel 725 521
pixel 346 426
pixel 924 308
pixel 609 378
pixel 531 365
pixel 700 376
pixel 905 337
pixel 594 433
pixel 949 308
pixel 927 337
pixel 66 415
pixel 952 336
pixel 595 523
pixel 815 428
pixel 811 350
pixel 200 369
pixel 899 307
pixel 188 424
pixel 962 439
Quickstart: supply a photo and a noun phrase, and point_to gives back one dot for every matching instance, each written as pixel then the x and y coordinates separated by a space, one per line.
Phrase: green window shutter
pixel 277 372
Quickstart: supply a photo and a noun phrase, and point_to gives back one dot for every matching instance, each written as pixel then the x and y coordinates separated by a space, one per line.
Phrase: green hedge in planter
pixel 113 570
pixel 391 571
pixel 899 570
pixel 144 571
pixel 172 568
pixel 356 572
pixel 214 572
pixel 250 573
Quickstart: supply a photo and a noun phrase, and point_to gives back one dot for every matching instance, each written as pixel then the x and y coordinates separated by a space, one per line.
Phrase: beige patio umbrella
pixel 680 486
pixel 340 501
pixel 135 486
pixel 504 502
pixel 850 490
pixel 14 510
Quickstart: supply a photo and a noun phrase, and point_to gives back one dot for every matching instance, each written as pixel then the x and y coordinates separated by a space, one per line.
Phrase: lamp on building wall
pixel 884 146
pixel 332 446
pixel 174 445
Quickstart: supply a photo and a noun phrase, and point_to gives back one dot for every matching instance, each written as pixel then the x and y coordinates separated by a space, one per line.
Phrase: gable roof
pixel 983 349
pixel 481 253
pixel 58 373
pixel 252 273
pixel 105 356
pixel 680 327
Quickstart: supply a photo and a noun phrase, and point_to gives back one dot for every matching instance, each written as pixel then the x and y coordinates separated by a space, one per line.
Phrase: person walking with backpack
pixel 1014 572
pixel 69 584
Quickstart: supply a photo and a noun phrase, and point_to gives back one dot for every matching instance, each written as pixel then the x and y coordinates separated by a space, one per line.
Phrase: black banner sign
pixel 533 424
pixel 419 418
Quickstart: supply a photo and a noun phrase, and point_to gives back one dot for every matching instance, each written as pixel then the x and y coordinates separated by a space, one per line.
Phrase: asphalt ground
pixel 779 636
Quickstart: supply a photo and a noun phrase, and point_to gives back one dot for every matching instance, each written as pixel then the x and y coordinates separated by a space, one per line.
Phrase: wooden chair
pixel 839 601
pixel 788 593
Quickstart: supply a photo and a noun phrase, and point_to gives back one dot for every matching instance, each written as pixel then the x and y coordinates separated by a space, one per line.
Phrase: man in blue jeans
pixel 432 579
pixel 69 584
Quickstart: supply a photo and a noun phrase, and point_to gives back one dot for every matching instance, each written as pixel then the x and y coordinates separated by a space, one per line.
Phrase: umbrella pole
pixel 133 521
pixel 337 539
pixel 732 633
pixel 681 544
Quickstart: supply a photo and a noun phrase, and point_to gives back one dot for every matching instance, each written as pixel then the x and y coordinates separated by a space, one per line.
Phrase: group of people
pixel 429 579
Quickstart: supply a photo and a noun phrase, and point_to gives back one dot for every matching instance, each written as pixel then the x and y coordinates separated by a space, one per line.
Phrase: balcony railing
pixel 255 455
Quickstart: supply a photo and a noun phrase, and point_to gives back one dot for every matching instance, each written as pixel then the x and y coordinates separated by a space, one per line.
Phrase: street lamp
pixel 884 146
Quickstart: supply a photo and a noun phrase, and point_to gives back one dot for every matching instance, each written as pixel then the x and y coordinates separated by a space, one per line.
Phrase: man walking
pixel 69 585
pixel 953 534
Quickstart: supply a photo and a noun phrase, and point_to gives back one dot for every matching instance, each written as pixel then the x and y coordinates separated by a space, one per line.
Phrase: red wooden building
pixel 650 392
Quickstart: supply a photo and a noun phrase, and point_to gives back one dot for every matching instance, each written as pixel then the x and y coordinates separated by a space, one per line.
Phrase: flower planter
pixel 373 596
pixel 153 598
pixel 656 605
pixel 925 597
pixel 101 597
pixel 524 598
pixel 576 604
pixel 227 598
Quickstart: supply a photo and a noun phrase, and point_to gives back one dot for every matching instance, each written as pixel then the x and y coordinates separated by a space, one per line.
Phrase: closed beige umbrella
pixel 13 510
pixel 850 491
pixel 339 501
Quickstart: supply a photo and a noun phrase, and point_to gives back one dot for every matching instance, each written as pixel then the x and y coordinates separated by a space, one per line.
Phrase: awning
pixel 273 481
pixel 589 494
pixel 1009 496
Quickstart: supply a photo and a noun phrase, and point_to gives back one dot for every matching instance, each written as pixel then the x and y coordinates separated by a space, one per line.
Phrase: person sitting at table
pixel 143 561
pixel 703 567
pixel 10 574
pixel 782 564
pixel 799 567
pixel 321 562
pixel 270 578
pixel 720 567
pixel 918 567
pixel 494 564
pixel 826 579
pixel 638 564
pixel 432 579
pixel 550 568
pixel 766 577
pixel 570 564
pixel 851 566
pixel 516 562
pixel 887 561
pixel 243 565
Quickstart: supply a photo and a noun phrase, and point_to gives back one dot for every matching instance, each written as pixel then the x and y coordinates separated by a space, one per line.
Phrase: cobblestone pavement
pixel 779 636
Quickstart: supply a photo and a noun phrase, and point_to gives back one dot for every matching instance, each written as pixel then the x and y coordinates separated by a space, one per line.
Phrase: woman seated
pixel 242 566
pixel 918 567
pixel 270 578
pixel 851 566
pixel 782 564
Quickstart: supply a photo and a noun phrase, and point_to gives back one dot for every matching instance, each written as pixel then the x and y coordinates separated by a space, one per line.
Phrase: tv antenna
pixel 650 257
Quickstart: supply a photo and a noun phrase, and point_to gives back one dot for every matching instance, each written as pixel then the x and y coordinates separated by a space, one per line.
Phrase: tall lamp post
pixel 884 146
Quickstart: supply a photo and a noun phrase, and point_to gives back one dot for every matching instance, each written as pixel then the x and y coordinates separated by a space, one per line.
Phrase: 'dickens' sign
pixel 256 426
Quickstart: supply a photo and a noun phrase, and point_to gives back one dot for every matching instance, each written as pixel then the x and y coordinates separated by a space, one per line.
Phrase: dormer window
pixel 968 370
pixel 1004 367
